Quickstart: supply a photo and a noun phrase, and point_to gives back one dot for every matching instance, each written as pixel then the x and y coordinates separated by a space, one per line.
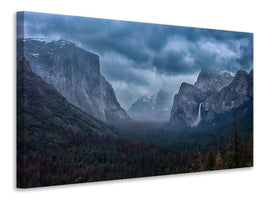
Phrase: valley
pixel 71 127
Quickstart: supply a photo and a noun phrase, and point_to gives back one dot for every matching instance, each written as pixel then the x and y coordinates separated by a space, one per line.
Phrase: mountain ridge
pixel 227 93
pixel 152 108
pixel 75 73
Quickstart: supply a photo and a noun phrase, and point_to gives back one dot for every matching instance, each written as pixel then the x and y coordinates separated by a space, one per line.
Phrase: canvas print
pixel 101 99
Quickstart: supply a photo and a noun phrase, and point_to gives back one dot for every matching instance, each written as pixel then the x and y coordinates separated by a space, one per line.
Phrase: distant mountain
pixel 211 96
pixel 41 108
pixel 75 73
pixel 142 108
pixel 152 108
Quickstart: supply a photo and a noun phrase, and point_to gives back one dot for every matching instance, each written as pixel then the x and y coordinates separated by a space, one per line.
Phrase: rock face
pixel 211 83
pixel 250 83
pixel 239 91
pixel 186 105
pixel 216 93
pixel 41 108
pixel 75 73
pixel 152 108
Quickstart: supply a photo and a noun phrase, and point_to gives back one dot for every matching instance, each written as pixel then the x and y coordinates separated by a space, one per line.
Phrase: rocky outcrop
pixel 75 73
pixel 216 93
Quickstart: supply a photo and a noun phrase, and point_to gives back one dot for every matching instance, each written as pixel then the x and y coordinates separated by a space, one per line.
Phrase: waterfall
pixel 195 123
pixel 199 113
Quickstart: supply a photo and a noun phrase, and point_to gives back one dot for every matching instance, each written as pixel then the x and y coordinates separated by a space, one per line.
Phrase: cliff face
pixel 239 91
pixel 211 83
pixel 112 110
pixel 41 108
pixel 217 94
pixel 186 105
pixel 75 73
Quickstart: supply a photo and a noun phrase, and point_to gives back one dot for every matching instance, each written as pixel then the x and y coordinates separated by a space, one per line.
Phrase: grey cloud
pixel 135 57
pixel 117 67
pixel 139 42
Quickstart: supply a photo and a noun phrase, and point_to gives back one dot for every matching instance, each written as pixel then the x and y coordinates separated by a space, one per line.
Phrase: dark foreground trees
pixel 238 154
pixel 219 161
pixel 62 158
pixel 210 161
pixel 197 165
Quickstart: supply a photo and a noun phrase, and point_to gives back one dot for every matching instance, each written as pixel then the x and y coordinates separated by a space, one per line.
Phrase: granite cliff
pixel 75 73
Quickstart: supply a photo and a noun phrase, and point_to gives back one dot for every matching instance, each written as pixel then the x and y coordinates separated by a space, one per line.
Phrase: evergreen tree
pixel 197 165
pixel 250 163
pixel 235 157
pixel 219 161
pixel 210 161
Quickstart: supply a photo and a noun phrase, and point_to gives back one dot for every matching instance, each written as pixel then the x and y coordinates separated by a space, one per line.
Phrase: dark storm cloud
pixel 144 43
pixel 120 68
pixel 171 62
pixel 137 58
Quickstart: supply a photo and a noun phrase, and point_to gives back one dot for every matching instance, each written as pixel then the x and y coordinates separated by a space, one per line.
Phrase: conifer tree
pixel 235 157
pixel 210 161
pixel 197 165
pixel 219 161
pixel 250 163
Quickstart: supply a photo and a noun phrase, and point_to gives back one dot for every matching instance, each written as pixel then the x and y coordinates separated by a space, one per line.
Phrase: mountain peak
pixel 147 98
pixel 62 43
pixel 211 83
pixel 152 108
pixel 185 86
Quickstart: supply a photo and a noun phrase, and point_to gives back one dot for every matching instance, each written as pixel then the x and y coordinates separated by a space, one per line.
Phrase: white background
pixel 248 16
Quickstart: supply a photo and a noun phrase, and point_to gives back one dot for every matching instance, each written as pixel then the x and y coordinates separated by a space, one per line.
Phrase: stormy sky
pixel 140 59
